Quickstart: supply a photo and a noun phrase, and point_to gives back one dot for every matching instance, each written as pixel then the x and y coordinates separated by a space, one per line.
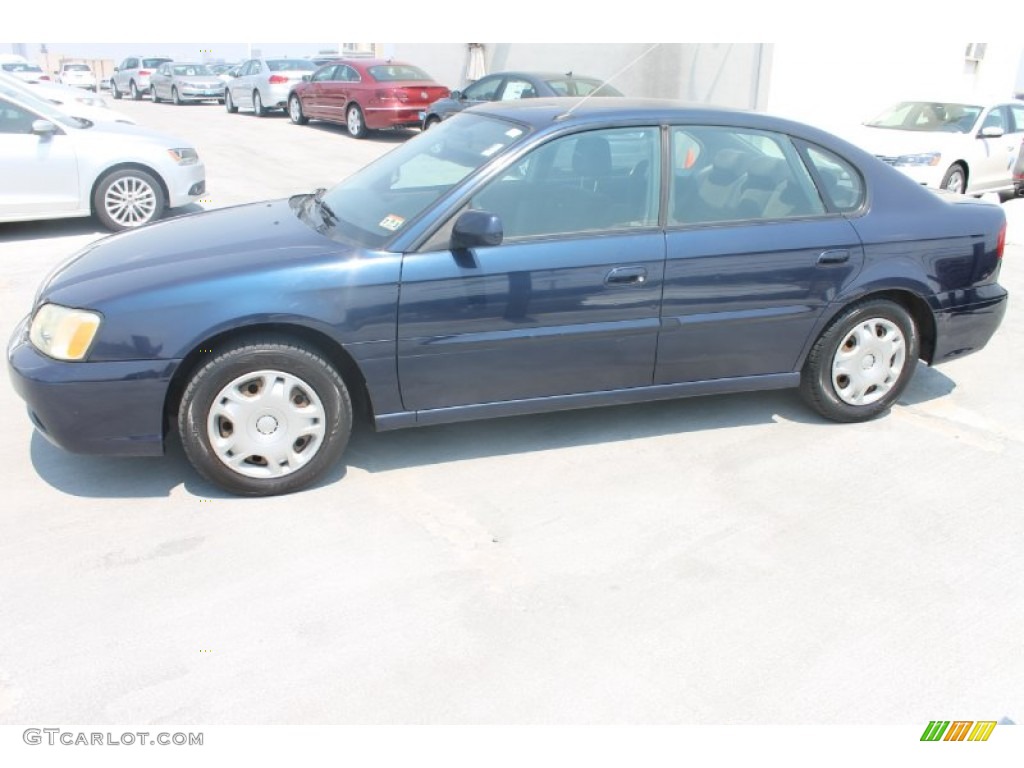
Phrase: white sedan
pixel 967 148
pixel 58 166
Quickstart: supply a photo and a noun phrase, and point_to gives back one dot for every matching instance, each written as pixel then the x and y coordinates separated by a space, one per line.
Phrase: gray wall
pixel 727 74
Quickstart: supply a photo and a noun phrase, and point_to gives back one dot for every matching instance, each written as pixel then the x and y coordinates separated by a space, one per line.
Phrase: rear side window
pixel 736 174
pixel 1018 118
pixel 841 184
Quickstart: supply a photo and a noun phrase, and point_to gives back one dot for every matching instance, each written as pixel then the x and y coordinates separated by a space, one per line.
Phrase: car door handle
pixel 834 257
pixel 626 276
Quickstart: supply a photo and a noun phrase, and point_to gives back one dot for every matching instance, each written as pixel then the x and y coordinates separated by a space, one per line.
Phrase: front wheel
pixel 127 199
pixel 152 95
pixel 295 111
pixel 176 97
pixel 229 103
pixel 430 122
pixel 265 417
pixel 355 123
pixel 862 361
pixel 113 90
pixel 955 179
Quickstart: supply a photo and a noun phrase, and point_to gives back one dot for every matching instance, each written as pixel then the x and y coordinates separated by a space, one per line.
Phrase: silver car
pixel 180 81
pixel 264 84
pixel 58 166
pixel 132 76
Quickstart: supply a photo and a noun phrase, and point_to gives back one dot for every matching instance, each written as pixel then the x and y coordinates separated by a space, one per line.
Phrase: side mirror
pixel 476 229
pixel 306 78
pixel 43 128
pixel 456 95
pixel 991 132
pixel 117 69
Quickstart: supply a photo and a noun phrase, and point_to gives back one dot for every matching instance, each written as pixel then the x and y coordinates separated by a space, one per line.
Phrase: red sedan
pixel 364 94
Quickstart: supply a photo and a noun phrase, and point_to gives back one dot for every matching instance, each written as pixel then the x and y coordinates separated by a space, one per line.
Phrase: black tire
pixel 176 97
pixel 133 90
pixel 355 123
pixel 276 356
pixel 430 122
pixel 257 104
pixel 113 90
pixel 295 110
pixel 149 190
pixel 955 179
pixel 824 391
pixel 152 95
pixel 229 103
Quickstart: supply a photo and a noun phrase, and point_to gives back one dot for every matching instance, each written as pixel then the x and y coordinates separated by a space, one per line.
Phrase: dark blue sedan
pixel 534 256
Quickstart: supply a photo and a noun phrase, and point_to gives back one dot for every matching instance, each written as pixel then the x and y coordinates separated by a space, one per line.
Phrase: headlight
pixel 63 333
pixel 184 156
pixel 925 158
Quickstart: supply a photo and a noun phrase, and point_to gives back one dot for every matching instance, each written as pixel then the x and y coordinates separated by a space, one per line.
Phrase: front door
pixel 568 303
pixel 40 171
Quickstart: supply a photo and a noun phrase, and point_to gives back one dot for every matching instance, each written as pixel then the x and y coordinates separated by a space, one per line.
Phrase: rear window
pixel 581 86
pixel 290 65
pixel 75 68
pixel 154 62
pixel 394 72
pixel 19 67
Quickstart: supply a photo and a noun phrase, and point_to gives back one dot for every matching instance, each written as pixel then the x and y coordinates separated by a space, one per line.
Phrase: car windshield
pixel 377 203
pixel 580 86
pixel 19 67
pixel 44 107
pixel 191 70
pixel 393 72
pixel 928 116
pixel 290 65
pixel 154 62
pixel 76 68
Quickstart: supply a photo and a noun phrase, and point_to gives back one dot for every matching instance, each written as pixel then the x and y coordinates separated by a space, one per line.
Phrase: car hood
pixel 202 80
pixel 891 142
pixel 124 131
pixel 204 246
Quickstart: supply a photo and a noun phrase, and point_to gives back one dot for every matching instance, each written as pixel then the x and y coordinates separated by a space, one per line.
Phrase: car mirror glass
pixel 456 95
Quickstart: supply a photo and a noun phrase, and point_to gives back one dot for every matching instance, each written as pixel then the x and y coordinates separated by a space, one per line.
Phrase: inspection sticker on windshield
pixel 392 222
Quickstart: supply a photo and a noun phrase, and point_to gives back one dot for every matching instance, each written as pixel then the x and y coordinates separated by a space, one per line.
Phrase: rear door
pixel 755 251
pixel 569 301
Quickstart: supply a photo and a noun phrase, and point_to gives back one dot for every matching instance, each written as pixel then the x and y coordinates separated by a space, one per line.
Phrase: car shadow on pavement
pixel 112 477
pixel 392 136
pixel 18 231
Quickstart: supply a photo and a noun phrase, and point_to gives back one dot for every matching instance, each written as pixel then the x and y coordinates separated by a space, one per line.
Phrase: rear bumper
pixel 113 409
pixel 970 320
pixel 394 117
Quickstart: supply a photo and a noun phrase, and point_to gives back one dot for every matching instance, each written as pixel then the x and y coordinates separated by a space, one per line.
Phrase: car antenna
pixel 572 109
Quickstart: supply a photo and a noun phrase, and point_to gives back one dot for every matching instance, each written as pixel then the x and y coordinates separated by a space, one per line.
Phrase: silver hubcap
pixel 354 123
pixel 956 182
pixel 296 110
pixel 130 201
pixel 266 424
pixel 869 361
pixel 257 102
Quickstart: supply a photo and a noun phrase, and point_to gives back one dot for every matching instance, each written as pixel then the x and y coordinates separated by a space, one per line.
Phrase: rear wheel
pixel 862 362
pixel 295 111
pixel 127 199
pixel 955 179
pixel 257 104
pixel 354 122
pixel 265 417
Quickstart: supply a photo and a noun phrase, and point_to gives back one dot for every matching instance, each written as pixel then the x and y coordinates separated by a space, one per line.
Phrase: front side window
pixel 518 89
pixel 483 90
pixel 736 174
pixel 1018 118
pixel 995 119
pixel 606 180
pixel 14 119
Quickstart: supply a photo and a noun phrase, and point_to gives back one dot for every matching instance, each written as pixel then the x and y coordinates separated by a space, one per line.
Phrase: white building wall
pixel 835 84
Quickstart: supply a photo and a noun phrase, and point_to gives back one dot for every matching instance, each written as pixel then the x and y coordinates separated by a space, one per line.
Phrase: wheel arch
pixel 335 353
pixel 911 301
pixel 124 167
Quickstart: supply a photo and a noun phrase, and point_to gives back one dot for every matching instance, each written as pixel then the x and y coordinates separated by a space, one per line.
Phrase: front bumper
pixel 969 321
pixel 113 409
pixel 201 94
pixel 185 183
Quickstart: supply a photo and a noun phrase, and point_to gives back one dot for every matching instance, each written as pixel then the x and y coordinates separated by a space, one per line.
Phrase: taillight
pixel 1001 242
pixel 144 73
pixel 277 79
